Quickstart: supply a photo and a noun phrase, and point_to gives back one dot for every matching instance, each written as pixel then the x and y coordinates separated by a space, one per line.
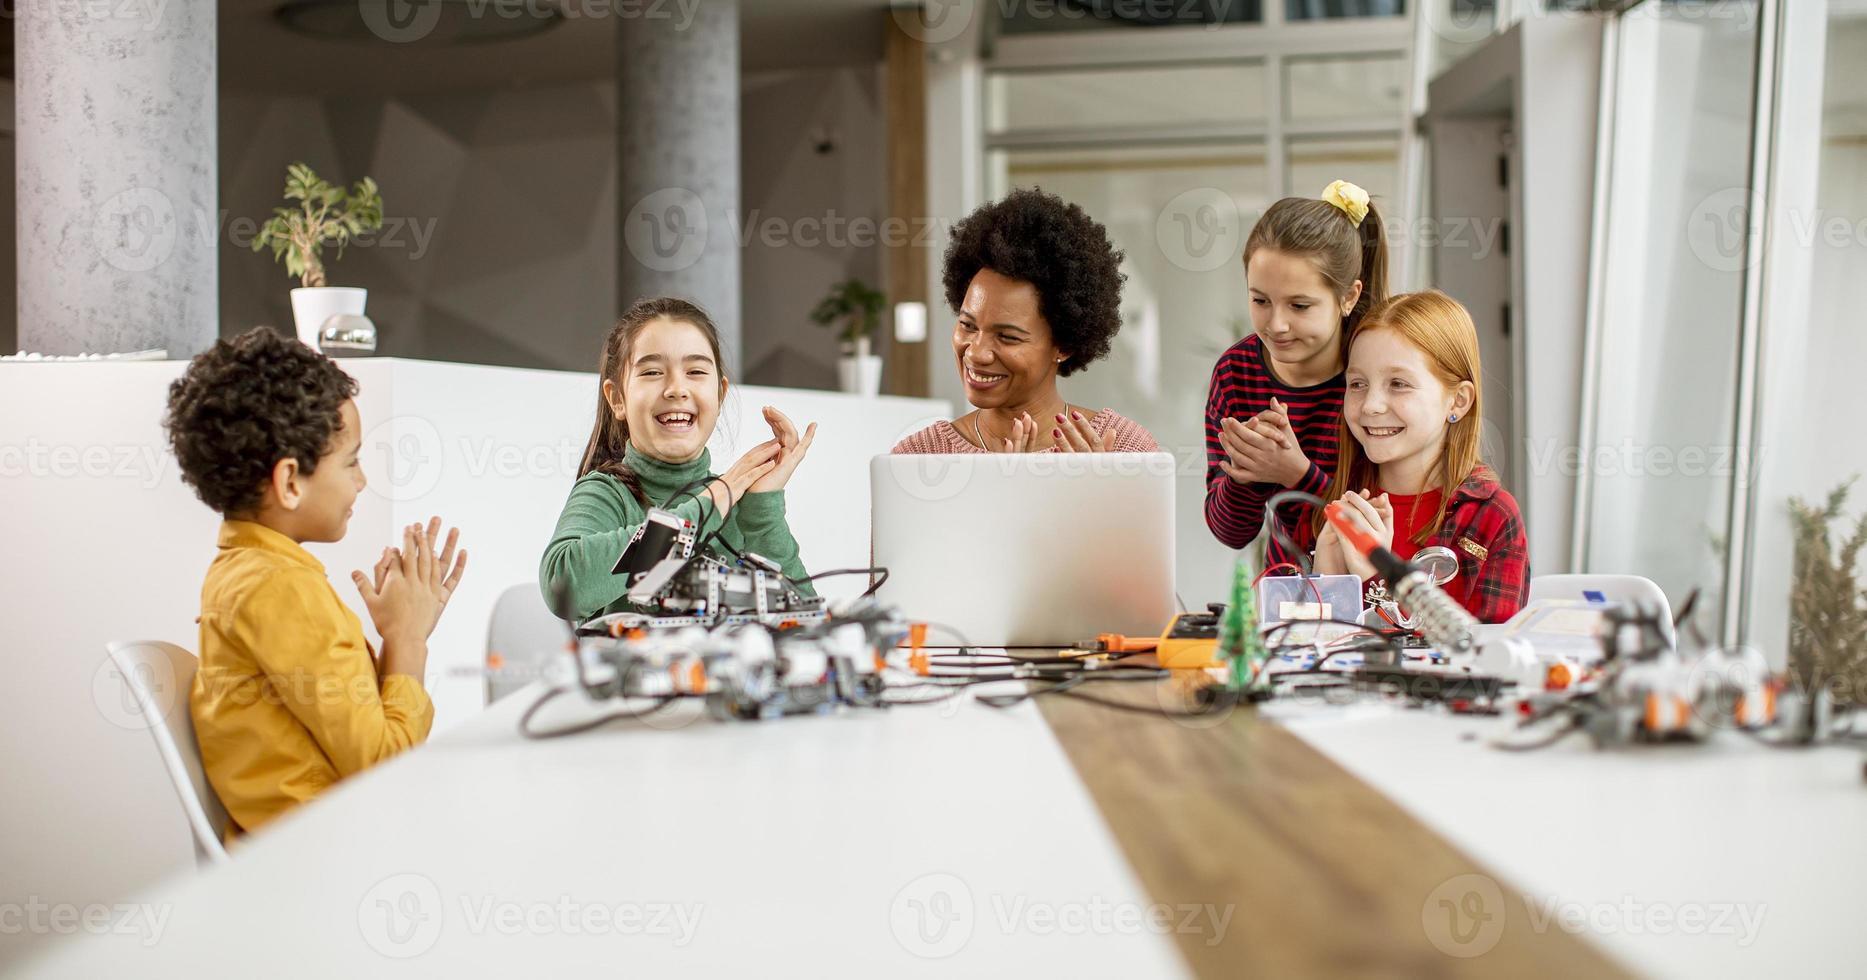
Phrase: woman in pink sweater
pixel 1037 286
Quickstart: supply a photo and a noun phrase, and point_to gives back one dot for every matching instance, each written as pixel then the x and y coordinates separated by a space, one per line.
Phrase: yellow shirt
pixel 288 698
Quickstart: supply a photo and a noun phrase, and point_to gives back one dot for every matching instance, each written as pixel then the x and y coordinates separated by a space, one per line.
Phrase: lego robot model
pixel 1645 689
pixel 741 637
pixel 678 585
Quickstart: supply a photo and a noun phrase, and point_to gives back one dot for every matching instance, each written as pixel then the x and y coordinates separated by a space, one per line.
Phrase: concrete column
pixel 677 160
pixel 118 208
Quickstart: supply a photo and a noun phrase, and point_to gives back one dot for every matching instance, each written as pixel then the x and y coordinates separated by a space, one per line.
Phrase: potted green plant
pixel 324 214
pixel 858 308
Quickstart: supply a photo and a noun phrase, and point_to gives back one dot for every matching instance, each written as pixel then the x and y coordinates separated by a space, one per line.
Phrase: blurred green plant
pixel 325 214
pixel 856 304
pixel 1827 605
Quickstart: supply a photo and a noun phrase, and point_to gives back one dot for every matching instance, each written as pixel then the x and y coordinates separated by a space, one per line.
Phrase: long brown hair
pixel 1443 331
pixel 1342 251
pixel 609 440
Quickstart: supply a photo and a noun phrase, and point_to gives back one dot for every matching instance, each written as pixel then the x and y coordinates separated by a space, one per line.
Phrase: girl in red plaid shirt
pixel 1411 473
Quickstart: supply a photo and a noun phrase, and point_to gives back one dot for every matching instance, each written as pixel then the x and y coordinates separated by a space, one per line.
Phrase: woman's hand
pixel 737 481
pixel 791 450
pixel 1074 434
pixel 1263 449
pixel 1023 437
pixel 1375 517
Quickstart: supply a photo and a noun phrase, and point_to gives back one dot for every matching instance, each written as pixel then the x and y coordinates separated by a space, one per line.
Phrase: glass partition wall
pixel 1177 142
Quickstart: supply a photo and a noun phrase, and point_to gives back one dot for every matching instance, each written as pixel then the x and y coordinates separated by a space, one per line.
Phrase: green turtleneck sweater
pixel 601 515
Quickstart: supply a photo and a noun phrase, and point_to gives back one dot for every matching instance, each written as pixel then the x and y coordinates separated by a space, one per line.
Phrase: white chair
pixel 521 640
pixel 1628 589
pixel 147 667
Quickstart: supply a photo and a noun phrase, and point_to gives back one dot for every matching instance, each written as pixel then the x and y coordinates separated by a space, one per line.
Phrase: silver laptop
pixel 1026 549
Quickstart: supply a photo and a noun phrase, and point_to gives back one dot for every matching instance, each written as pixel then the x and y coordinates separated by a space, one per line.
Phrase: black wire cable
pixel 1277 526
pixel 1574 725
pixel 847 571
pixel 525 720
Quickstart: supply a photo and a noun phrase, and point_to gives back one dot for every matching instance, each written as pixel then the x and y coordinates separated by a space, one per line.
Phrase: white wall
pixel 104 543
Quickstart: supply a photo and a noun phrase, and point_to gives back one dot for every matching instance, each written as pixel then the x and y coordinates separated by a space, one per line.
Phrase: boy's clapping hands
pixel 408 589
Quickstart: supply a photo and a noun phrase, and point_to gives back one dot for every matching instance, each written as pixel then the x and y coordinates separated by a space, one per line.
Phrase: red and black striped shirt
pixel 1243 386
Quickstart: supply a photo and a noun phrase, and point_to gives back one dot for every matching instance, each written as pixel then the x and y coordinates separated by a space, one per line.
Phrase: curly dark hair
pixel 1056 247
pixel 244 405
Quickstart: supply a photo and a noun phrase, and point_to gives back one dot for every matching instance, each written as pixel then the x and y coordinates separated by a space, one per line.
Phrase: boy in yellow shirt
pixel 290 697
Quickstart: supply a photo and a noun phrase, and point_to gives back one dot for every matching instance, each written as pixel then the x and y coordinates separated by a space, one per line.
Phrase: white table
pixel 931 840
pixel 1655 853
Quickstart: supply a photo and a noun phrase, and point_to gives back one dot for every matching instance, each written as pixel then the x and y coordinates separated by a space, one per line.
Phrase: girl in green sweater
pixel 663 382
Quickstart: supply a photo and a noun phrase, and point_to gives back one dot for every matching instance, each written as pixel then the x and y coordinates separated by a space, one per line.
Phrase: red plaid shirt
pixel 1484 528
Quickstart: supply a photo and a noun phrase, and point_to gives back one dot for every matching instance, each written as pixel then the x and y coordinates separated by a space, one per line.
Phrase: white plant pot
pixel 312 305
pixel 860 374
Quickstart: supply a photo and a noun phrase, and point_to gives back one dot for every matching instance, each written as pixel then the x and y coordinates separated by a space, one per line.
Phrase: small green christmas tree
pixel 1239 642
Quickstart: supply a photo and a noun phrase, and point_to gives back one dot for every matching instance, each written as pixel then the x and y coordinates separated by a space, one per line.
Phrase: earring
pixel 1452 418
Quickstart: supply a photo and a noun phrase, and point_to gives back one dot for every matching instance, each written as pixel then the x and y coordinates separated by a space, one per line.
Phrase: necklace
pixel 980 434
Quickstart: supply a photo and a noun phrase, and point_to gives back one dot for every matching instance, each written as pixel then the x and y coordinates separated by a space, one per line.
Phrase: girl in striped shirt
pixel 1314 267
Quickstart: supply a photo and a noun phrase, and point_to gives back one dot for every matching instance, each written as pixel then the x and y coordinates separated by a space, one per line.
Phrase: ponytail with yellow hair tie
pixel 1350 198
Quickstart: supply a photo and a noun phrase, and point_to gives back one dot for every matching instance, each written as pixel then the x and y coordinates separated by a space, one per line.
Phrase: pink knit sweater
pixel 942 437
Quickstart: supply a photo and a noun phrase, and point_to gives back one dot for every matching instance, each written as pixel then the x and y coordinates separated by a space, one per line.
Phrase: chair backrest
pixel 521 640
pixel 159 677
pixel 1606 588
